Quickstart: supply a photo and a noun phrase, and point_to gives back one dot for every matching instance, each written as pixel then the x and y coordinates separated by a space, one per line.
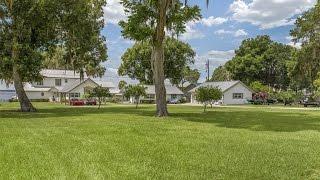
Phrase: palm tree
pixel 157 57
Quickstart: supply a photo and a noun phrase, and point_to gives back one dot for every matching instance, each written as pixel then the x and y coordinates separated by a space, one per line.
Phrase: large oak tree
pixel 147 21
pixel 307 32
pixel 28 28
pixel 261 59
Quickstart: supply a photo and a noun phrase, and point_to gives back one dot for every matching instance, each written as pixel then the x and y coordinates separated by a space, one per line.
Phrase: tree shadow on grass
pixel 221 117
pixel 67 111
pixel 255 120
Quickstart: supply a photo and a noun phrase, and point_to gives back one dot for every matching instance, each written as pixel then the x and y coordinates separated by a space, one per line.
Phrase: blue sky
pixel 224 25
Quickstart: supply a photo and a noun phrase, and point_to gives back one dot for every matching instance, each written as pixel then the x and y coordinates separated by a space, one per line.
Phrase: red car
pixel 76 102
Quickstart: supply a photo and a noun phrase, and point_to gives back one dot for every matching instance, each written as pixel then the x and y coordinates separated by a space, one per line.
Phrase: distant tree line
pixel 276 65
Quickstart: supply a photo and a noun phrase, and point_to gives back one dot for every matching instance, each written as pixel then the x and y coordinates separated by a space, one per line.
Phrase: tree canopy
pixel 135 91
pixel 261 59
pixel 206 95
pixel 136 61
pixel 29 29
pixel 221 74
pixel 100 93
pixel 307 32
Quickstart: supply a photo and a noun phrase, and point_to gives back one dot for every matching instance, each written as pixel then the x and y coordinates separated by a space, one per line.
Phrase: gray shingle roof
pixel 223 86
pixel 169 88
pixel 105 84
pixel 54 73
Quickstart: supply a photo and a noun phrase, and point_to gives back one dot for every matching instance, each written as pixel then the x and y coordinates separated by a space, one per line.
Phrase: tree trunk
pixel 158 74
pixel 25 103
pixel 157 59
pixel 137 102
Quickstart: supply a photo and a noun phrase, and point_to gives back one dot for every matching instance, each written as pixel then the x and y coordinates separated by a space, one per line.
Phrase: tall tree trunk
pixel 157 59
pixel 25 103
pixel 158 74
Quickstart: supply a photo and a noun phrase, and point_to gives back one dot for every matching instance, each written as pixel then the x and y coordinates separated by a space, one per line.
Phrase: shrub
pixel 207 95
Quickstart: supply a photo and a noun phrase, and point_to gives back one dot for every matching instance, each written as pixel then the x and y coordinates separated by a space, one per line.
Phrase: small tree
pixel 259 87
pixel 215 95
pixel 100 93
pixel 287 97
pixel 207 95
pixel 135 91
pixel 122 85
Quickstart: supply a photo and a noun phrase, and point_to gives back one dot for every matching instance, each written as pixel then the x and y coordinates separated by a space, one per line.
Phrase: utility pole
pixel 208 70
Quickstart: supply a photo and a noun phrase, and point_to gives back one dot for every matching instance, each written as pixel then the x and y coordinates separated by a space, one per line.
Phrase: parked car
pixel 311 103
pixel 174 101
pixel 76 102
pixel 91 102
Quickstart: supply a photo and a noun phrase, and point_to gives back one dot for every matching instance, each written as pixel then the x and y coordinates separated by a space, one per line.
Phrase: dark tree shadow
pixel 255 120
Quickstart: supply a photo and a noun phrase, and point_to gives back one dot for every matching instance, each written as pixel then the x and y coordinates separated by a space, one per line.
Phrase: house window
pixel 42 94
pixel 66 81
pixel 39 83
pixel 58 82
pixel 237 95
pixel 74 95
pixel 174 96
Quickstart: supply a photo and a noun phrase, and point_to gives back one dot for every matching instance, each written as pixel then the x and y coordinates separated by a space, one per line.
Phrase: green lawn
pixel 120 142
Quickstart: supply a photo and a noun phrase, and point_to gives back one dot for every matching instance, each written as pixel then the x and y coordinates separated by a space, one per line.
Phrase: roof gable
pixel 75 85
pixel 105 84
pixel 169 89
pixel 223 85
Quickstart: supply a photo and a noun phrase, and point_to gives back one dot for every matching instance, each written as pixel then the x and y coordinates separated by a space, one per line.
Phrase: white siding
pixel 239 88
pixel 50 82
pixel 37 95
pixel 228 95
pixel 80 89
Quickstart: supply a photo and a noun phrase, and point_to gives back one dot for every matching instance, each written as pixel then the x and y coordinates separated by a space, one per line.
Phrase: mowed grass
pixel 120 142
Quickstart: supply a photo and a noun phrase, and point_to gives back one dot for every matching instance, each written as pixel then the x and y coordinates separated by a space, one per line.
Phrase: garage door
pixel 6 95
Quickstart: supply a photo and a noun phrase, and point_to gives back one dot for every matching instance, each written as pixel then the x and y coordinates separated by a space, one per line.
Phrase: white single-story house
pixel 234 92
pixel 173 93
pixel 114 90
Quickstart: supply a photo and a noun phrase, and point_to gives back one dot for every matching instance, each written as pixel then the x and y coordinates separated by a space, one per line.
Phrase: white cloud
pixel 240 32
pixel 269 13
pixel 296 45
pixel 293 44
pixel 192 32
pixel 216 59
pixel 114 12
pixel 237 33
pixel 212 21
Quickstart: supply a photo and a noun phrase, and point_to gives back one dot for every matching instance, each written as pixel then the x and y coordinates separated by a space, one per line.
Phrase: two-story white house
pixel 57 85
